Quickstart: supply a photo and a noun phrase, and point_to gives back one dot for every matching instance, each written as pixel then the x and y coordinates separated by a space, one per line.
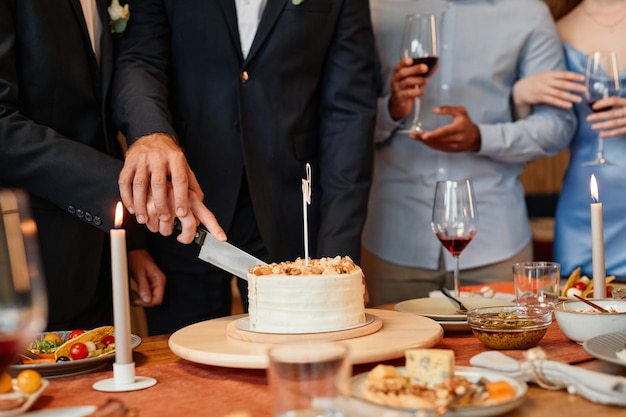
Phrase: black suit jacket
pixel 57 143
pixel 305 93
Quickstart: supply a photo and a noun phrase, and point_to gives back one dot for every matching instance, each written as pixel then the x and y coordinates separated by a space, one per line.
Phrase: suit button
pixel 244 77
pixel 71 209
pixel 88 217
pixel 80 213
pixel 97 220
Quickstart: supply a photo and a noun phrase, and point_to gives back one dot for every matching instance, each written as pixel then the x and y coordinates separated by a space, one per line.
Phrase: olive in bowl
pixel 579 321
pixel 516 327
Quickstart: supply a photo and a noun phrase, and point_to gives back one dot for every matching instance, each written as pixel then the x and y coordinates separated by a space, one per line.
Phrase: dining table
pixel 187 388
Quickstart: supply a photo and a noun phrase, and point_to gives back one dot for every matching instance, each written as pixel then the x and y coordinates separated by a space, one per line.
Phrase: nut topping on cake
pixel 322 266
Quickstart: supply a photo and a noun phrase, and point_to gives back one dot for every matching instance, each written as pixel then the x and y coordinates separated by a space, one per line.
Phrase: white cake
pixel 291 297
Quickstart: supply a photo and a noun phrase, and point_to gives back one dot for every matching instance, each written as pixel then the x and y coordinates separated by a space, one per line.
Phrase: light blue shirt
pixel 485 46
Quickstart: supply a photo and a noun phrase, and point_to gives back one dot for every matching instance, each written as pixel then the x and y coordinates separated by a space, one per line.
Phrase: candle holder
pixel 124 379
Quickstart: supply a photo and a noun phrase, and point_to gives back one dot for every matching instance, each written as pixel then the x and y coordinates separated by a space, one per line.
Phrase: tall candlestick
pixel 597 243
pixel 124 378
pixel 121 307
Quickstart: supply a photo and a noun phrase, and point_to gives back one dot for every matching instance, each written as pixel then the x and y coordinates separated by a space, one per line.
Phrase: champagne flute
pixel 454 220
pixel 420 44
pixel 602 81
pixel 23 301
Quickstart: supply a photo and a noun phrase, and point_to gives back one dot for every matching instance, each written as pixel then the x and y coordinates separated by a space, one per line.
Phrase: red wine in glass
pixel 455 244
pixel 454 219
pixel 8 349
pixel 429 61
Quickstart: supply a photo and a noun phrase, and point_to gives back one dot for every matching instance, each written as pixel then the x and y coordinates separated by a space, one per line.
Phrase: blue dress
pixel 572 241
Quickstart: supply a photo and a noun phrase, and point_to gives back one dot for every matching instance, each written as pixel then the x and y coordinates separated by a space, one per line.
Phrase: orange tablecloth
pixel 189 389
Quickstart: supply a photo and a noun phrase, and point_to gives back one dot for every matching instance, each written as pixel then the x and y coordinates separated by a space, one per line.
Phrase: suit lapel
pixel 106 44
pixel 230 14
pixel 273 8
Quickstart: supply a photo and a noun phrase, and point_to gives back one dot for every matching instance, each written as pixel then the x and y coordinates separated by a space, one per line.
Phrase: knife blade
pixel 224 255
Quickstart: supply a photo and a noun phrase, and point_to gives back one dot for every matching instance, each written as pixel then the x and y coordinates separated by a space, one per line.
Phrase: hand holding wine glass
pixel 454 219
pixel 602 80
pixel 419 43
pixel 23 301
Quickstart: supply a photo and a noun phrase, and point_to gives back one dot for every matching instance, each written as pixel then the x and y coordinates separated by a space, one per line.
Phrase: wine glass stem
pixel 457 289
pixel 416 111
pixel 600 148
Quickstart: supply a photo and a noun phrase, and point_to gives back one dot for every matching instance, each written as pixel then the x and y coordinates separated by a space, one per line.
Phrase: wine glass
pixel 454 220
pixel 602 81
pixel 23 301
pixel 420 44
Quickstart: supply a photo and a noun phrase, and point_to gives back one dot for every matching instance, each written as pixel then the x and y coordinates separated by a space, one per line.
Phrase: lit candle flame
pixel 594 188
pixel 119 215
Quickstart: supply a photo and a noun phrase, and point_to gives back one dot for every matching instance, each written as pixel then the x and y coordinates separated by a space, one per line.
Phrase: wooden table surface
pixel 190 389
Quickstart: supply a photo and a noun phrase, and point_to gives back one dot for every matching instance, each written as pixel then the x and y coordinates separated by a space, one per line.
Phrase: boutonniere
pixel 296 2
pixel 119 16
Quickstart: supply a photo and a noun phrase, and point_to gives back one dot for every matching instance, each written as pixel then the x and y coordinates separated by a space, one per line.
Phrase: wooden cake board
pixel 208 342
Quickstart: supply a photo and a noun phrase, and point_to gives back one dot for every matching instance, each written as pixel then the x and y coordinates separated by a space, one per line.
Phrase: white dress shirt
pixel 480 60
pixel 249 14
pixel 94 26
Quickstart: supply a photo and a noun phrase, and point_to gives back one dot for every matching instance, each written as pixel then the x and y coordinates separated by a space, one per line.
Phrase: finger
pixel 158 288
pixel 159 187
pixel 140 190
pixel 206 217
pixel 179 172
pixel 124 183
pixel 189 226
pixel 143 289
pixel 166 227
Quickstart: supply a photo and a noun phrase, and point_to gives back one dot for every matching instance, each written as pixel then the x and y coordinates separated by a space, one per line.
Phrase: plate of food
pixel 19 394
pixel 609 347
pixel 443 309
pixel 489 393
pixel 582 286
pixel 71 352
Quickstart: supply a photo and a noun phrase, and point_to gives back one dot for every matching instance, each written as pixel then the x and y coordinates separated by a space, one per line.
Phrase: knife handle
pixel 200 232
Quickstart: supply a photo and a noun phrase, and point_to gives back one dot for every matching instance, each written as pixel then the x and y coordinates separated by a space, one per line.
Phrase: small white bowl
pixel 579 321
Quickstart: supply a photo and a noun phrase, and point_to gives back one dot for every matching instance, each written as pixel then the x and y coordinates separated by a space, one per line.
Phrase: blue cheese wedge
pixel 430 366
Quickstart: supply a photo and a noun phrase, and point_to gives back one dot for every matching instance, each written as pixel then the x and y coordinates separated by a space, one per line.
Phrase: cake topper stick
pixel 306 201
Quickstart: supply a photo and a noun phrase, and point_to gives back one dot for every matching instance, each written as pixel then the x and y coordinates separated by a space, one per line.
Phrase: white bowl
pixel 580 322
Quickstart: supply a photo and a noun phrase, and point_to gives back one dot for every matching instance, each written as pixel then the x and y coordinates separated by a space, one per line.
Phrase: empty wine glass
pixel 602 81
pixel 23 301
pixel 454 220
pixel 420 44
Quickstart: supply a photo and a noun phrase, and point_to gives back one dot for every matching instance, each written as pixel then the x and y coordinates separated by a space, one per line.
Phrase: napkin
pixel 594 386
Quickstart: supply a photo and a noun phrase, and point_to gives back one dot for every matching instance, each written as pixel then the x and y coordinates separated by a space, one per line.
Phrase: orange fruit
pixel 6 383
pixel 28 381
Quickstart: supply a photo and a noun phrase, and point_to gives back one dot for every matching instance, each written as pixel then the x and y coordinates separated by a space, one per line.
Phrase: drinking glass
pixel 454 220
pixel 23 301
pixel 420 44
pixel 602 81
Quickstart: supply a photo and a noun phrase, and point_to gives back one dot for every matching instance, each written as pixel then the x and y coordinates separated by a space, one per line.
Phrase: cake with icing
pixel 293 297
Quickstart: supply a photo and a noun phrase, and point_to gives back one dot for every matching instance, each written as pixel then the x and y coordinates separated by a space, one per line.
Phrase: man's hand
pixel 407 82
pixel 157 185
pixel 462 135
pixel 149 278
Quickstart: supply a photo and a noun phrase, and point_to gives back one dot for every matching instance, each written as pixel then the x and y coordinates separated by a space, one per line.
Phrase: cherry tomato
pixel 78 351
pixel 580 285
pixel 75 333
pixel 107 340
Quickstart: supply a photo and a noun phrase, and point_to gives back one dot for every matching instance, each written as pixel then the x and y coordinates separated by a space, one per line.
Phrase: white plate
pixel 364 408
pixel 605 347
pixel 454 326
pixel 440 309
pixel 244 324
pixel 63 412
pixel 59 369
pixel 30 399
